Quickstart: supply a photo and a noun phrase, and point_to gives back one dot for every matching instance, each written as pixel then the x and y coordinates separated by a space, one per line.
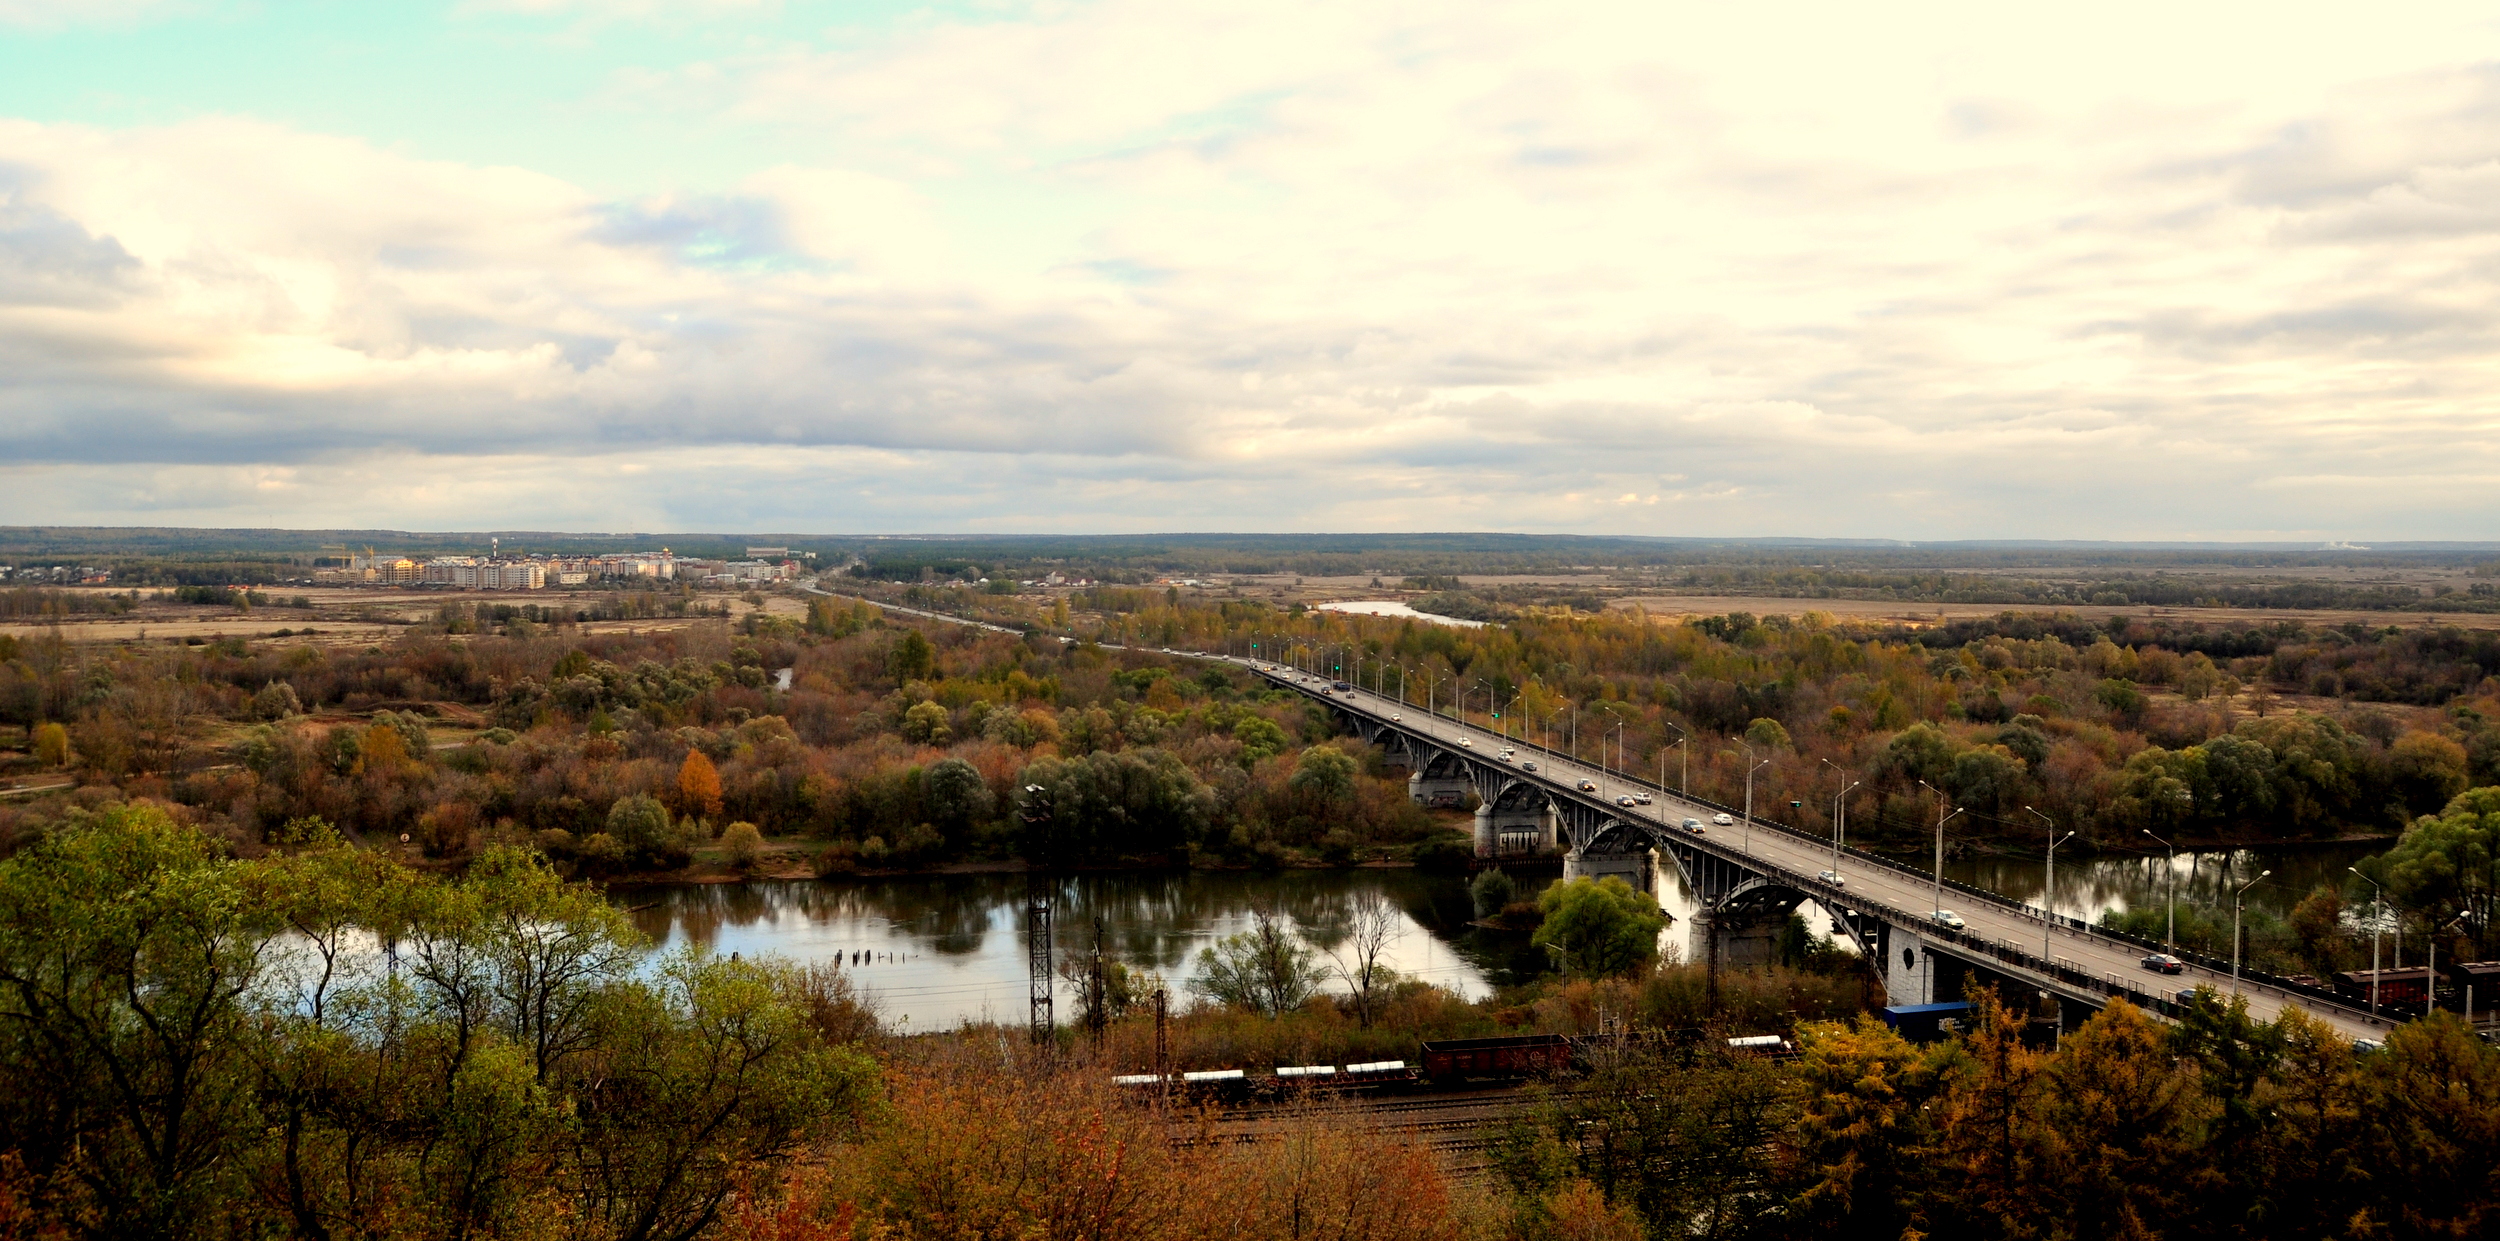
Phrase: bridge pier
pixel 1738 941
pixel 1506 830
pixel 1638 869
pixel 1447 789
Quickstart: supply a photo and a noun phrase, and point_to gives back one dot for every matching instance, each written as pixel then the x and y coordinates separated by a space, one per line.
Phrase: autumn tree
pixel 698 786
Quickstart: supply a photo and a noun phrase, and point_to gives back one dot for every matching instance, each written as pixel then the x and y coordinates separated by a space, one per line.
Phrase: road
pixel 1864 881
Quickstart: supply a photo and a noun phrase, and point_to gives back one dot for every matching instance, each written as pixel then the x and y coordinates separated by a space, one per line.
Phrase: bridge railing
pixel 2250 979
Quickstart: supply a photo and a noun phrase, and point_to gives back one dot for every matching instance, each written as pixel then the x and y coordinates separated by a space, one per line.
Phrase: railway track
pixel 1458 1128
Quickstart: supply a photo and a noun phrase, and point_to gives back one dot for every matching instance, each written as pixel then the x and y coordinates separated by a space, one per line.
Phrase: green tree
pixel 1766 733
pixel 912 658
pixel 1260 737
pixel 641 825
pixel 1266 969
pixel 1491 892
pixel 128 956
pixel 926 723
pixel 954 793
pixel 1326 772
pixel 1599 926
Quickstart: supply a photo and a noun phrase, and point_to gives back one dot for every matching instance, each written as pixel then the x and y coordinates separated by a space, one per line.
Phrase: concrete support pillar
pixel 1909 977
pixel 1488 840
pixel 1438 790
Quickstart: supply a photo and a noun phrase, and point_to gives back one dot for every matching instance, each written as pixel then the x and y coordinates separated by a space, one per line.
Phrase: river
pixel 945 949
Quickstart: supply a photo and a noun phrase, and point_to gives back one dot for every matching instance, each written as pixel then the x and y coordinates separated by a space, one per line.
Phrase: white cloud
pixel 1966 271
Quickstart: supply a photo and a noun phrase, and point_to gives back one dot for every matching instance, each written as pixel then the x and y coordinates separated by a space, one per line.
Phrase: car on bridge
pixel 1465 744
pixel 1723 819
pixel 1626 801
pixel 2164 963
pixel 1396 718
pixel 1693 826
pixel 1643 798
pixel 1832 877
pixel 1948 918
pixel 1528 765
pixel 1588 786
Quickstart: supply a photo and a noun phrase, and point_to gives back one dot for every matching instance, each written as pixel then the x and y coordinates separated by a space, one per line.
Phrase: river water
pixel 944 949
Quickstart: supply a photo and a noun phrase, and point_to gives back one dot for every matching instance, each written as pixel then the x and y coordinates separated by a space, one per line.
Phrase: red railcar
pixel 2405 986
pixel 1521 1056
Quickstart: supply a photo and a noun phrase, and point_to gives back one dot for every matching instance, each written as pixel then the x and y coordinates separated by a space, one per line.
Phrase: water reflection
pixel 2090 885
pixel 950 948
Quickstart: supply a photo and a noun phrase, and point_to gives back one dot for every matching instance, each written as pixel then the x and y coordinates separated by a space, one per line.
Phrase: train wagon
pixel 1520 1056
pixel 2393 986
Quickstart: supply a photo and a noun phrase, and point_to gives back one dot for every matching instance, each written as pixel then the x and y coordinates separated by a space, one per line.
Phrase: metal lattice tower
pixel 1037 935
pixel 1037 816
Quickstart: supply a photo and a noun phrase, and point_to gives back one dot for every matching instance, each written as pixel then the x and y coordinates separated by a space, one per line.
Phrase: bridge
pixel 1757 871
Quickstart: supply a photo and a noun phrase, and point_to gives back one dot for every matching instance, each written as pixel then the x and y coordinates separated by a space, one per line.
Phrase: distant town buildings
pixel 54 575
pixel 539 572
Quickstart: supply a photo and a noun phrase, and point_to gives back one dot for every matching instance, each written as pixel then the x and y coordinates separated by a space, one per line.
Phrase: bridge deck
pixel 2001 934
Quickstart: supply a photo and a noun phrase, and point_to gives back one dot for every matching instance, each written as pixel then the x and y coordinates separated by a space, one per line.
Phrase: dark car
pixel 2164 963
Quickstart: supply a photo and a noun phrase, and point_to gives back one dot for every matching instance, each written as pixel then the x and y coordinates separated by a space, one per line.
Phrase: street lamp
pixel 1505 726
pixel 1840 819
pixel 1683 779
pixel 2239 899
pixel 2048 892
pixel 2171 939
pixel 1941 819
pixel 2375 918
pixel 1749 791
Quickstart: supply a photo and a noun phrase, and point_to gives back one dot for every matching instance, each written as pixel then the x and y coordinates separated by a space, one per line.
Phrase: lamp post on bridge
pixel 1687 755
pixel 1840 811
pixel 2170 938
pixel 1749 791
pixel 2048 891
pixel 1941 819
pixel 1504 724
pixel 2238 900
pixel 2377 916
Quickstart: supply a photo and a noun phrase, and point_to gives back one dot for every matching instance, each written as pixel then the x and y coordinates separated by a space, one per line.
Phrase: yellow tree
pixel 698 786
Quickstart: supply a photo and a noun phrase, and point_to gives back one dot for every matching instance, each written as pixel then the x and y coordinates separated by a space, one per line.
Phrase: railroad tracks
pixel 1456 1127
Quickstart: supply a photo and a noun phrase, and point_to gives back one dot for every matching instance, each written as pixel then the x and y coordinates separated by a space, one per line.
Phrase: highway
pixel 1864 881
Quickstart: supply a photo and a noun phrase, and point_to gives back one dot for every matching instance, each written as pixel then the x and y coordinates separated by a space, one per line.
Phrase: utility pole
pixel 1037 816
pixel 1097 995
pixel 1163 1041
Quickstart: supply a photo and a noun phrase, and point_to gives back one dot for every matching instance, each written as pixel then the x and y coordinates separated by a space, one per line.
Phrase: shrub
pixel 744 842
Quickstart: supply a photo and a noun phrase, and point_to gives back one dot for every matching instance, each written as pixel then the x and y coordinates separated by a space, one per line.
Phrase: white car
pixel 1948 918
pixel 1465 744
pixel 1502 757
pixel 1396 718
pixel 1832 877
pixel 1723 819
pixel 1643 798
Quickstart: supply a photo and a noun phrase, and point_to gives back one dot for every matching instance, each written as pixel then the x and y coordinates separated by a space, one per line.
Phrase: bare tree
pixel 1372 925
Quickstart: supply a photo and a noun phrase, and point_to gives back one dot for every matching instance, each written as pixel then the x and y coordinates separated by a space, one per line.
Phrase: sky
pixel 1941 271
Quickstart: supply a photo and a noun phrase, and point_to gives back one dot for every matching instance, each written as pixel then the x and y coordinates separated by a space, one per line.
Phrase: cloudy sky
pixel 1926 271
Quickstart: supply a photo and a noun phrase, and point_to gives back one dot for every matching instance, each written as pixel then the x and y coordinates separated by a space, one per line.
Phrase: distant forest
pixel 2246 576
